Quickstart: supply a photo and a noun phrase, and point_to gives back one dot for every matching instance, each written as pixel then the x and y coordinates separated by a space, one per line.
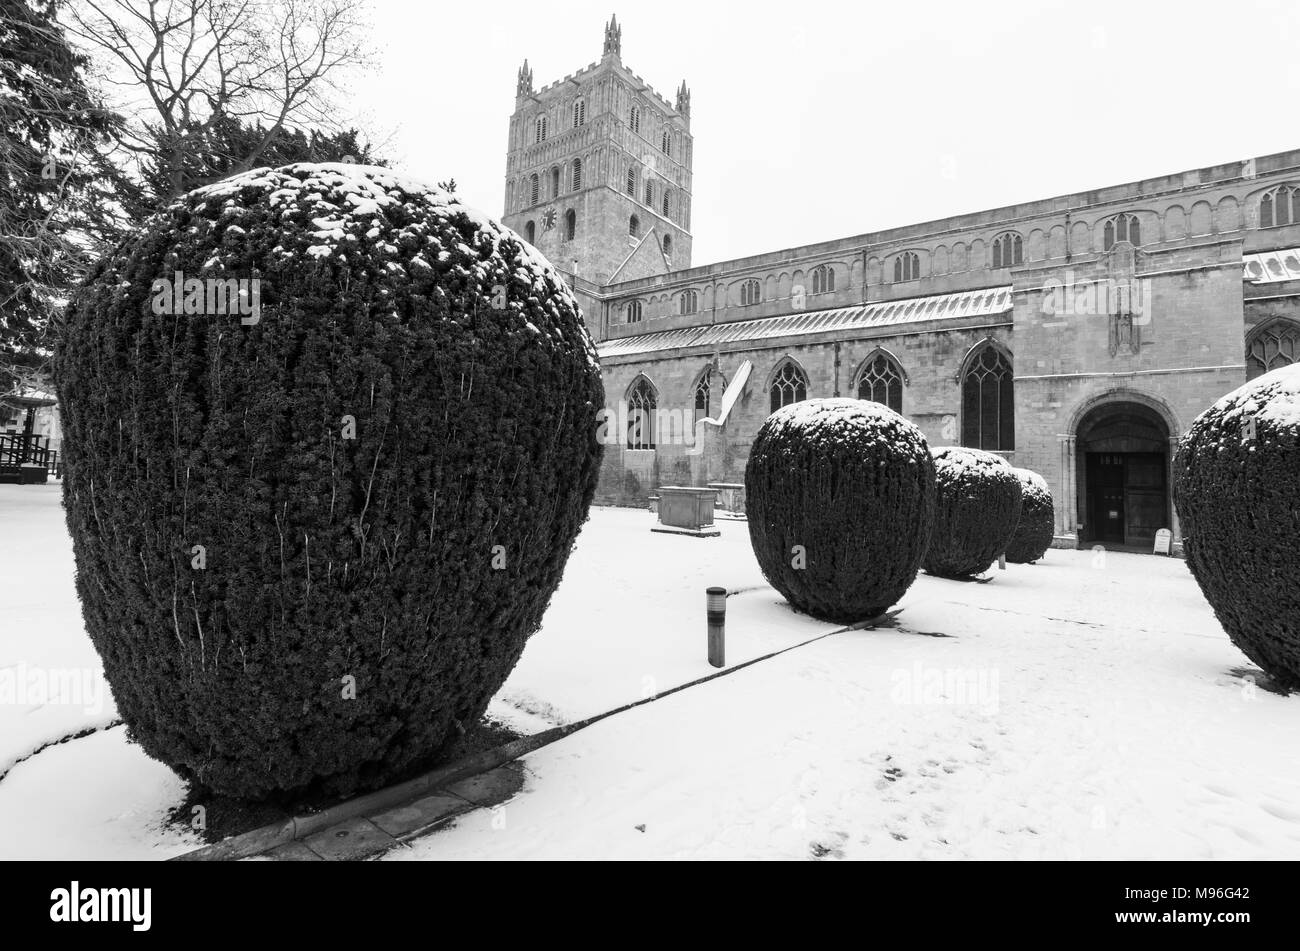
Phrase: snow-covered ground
pixel 1081 707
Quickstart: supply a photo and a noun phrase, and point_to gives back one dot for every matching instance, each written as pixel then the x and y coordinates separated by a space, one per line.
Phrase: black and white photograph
pixel 612 432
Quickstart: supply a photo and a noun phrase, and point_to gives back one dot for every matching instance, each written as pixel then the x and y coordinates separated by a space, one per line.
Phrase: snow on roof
pixel 986 302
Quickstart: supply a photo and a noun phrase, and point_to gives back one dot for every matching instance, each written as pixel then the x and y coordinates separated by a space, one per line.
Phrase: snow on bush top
pixel 973 461
pixel 840 420
pixel 1273 398
pixel 1032 480
pixel 363 216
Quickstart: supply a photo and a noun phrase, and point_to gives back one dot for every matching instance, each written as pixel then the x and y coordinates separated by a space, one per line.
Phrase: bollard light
pixel 715 601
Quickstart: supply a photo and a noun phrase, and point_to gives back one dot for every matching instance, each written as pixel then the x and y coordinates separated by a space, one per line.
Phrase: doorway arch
pixel 1123 443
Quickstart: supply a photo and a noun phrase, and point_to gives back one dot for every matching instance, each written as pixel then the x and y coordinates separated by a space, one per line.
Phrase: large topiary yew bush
pixel 975 514
pixel 1036 526
pixel 1237 490
pixel 312 536
pixel 840 499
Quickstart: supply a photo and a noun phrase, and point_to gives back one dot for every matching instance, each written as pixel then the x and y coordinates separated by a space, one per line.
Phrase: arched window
pixel 633 312
pixel 667 204
pixel 668 245
pixel 530 232
pixel 1273 345
pixel 1008 250
pixel 534 189
pixel 789 385
pixel 641 403
pixel 570 224
pixel 666 144
pixel 634 119
pixel 579 112
pixel 823 279
pixel 577 174
pixel 702 395
pixel 881 381
pixel 907 266
pixel 634 226
pixel 1122 227
pixel 631 181
pixel 555 182
pixel 540 129
pixel 689 302
pixel 649 194
pixel 988 402
pixel 1281 206
pixel 750 293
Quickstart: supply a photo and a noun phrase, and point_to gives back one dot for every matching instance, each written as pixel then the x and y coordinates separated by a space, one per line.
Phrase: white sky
pixel 818 120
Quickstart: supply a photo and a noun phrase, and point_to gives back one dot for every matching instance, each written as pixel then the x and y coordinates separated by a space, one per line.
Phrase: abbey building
pixel 1077 335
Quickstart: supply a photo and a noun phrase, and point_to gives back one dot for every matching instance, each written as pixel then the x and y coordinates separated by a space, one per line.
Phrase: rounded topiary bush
pixel 976 510
pixel 840 499
pixel 312 536
pixel 1037 523
pixel 1237 491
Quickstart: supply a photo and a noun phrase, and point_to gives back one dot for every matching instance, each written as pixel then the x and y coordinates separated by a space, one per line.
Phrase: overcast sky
pixel 817 120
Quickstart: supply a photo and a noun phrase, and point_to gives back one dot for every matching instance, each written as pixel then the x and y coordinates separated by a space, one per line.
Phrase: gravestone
pixel 1164 542
pixel 686 510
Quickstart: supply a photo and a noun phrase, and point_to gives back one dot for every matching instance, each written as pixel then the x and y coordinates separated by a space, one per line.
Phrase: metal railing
pixel 16 449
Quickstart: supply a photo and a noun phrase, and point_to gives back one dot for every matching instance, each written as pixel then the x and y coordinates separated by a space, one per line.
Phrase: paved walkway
pixel 377 832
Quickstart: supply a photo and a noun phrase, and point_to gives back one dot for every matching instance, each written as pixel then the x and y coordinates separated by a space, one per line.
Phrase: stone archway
pixel 1122 451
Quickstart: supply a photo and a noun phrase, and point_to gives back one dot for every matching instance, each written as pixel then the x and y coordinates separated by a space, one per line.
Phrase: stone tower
pixel 598 173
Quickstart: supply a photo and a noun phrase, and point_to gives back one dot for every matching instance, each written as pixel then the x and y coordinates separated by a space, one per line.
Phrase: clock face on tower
pixel 548 219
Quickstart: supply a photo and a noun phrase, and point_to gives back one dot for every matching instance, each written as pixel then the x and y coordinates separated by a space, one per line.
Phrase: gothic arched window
pixel 881 381
pixel 633 311
pixel 789 385
pixel 668 245
pixel 530 233
pixel 823 279
pixel 634 226
pixel 631 182
pixel 1281 206
pixel 750 293
pixel 579 112
pixel 1122 227
pixel 1008 250
pixel 988 402
pixel 641 403
pixel 667 204
pixel 907 266
pixel 577 174
pixel 689 302
pixel 702 396
pixel 634 119
pixel 534 189
pixel 541 129
pixel 1273 345
pixel 666 144
pixel 649 194
pixel 555 182
pixel 570 224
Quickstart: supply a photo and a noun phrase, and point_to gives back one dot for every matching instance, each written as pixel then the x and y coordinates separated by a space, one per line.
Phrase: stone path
pixel 374 833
